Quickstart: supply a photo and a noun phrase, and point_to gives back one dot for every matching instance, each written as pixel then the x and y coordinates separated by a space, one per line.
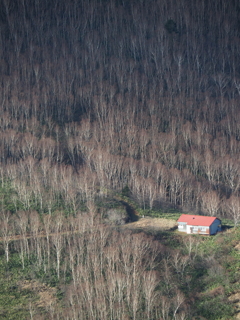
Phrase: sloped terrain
pixel 152 224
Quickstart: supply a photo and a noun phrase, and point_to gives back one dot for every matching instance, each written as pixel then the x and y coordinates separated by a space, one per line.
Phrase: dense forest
pixel 109 99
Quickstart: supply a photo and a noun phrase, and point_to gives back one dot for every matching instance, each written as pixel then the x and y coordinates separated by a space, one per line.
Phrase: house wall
pixel 197 229
pixel 182 227
pixel 214 228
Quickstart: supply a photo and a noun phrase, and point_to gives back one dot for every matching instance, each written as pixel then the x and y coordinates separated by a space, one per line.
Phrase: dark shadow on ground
pixel 226 227
pixel 132 215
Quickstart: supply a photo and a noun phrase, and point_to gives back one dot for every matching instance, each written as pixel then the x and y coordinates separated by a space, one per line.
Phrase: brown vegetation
pixel 152 224
pixel 99 97
pixel 85 108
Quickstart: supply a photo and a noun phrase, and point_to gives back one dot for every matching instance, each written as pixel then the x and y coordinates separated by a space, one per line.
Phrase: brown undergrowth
pixel 151 224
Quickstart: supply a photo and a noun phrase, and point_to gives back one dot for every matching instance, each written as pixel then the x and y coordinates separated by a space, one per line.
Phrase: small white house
pixel 194 224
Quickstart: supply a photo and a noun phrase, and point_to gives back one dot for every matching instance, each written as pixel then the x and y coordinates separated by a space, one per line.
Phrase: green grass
pixel 14 303
pixel 215 308
pixel 170 213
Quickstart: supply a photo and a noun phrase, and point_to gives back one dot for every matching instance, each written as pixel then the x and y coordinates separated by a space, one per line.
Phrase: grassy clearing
pixel 152 224
pixel 20 296
pixel 172 214
pixel 14 302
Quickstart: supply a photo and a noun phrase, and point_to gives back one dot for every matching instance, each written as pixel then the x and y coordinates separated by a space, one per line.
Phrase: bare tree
pixel 58 239
pixel 35 230
pixel 177 302
pixel 233 208
pixel 6 231
pixel 210 202
pixel 22 226
pixel 150 282
pixel 47 227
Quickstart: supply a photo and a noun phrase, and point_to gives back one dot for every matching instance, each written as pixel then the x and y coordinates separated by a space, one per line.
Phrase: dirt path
pixel 39 235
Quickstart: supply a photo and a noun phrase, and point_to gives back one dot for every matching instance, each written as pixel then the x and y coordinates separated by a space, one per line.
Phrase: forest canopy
pixel 100 98
pixel 114 94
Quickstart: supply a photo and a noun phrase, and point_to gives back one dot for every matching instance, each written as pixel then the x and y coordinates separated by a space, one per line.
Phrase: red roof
pixel 194 220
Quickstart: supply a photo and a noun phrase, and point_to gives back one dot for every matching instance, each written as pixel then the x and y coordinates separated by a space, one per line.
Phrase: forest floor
pixel 47 294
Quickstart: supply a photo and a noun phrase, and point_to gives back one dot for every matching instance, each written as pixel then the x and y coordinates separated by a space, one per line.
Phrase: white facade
pixel 198 229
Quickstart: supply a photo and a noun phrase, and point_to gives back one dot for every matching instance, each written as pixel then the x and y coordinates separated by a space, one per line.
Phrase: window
pixel 181 226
